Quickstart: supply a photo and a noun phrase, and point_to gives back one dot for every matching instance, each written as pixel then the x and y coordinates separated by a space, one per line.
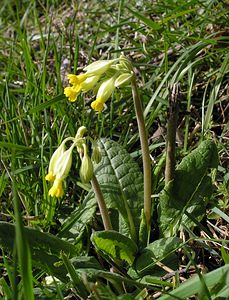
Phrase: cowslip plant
pixel 118 179
pixel 108 75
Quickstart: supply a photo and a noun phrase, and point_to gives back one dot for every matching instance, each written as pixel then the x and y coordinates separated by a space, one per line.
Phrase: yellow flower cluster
pixel 108 74
pixel 61 162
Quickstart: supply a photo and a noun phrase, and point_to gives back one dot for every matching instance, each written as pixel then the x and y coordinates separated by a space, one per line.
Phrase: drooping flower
pixel 119 69
pixel 59 170
pixel 61 161
pixel 59 151
pixel 104 92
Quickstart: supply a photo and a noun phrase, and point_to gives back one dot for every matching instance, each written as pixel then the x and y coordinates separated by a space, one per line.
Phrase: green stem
pixel 145 152
pixel 101 203
pixel 130 219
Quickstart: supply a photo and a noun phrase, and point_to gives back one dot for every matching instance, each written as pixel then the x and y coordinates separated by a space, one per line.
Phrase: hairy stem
pixel 101 203
pixel 145 153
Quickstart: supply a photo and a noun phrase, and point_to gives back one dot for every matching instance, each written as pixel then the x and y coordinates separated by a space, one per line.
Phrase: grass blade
pixel 193 286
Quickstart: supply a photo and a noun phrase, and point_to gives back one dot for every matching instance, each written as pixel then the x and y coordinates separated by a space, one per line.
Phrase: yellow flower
pixel 71 93
pixel 76 80
pixel 97 105
pixel 104 92
pixel 59 168
pixel 57 188
pixel 50 176
pixel 59 151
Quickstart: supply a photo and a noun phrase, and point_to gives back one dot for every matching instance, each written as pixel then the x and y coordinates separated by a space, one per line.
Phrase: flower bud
pixel 80 132
pixel 125 63
pixel 96 153
pixel 86 169
pixel 123 79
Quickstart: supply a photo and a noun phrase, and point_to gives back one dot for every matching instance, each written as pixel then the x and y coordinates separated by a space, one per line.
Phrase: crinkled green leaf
pixel 188 188
pixel 159 250
pixel 120 180
pixel 115 245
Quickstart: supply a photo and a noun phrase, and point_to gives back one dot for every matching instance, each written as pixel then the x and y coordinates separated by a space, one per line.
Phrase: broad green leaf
pixel 121 182
pixel 197 207
pixel 45 248
pixel 158 250
pixel 188 189
pixel 36 239
pixel 73 227
pixel 193 285
pixel 115 245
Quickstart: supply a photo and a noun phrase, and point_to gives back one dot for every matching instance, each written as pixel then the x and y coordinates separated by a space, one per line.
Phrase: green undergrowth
pixel 55 248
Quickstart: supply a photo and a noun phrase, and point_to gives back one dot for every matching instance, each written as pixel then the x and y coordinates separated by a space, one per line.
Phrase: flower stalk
pixel 101 203
pixel 145 153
